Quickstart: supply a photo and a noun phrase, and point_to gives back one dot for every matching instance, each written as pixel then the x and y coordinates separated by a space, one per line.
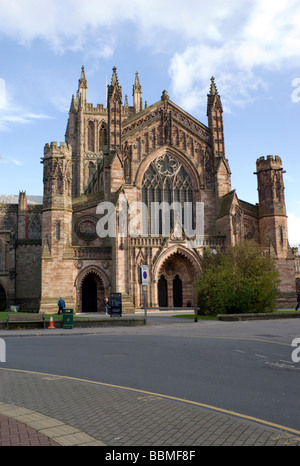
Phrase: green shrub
pixel 242 279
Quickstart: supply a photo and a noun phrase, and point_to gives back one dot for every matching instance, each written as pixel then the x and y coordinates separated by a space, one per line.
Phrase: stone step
pixel 286 301
pixel 127 305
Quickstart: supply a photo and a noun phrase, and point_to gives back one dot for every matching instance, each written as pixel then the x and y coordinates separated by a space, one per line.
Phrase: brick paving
pixel 56 410
pixel 14 433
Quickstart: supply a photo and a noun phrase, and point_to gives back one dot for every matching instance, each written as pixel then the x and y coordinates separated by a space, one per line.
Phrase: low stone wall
pixel 256 316
pixel 86 323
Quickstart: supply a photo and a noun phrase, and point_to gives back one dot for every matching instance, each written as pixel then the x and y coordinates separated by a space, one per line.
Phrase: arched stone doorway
pixel 177 291
pixel 92 293
pixel 3 303
pixel 92 286
pixel 176 274
pixel 162 292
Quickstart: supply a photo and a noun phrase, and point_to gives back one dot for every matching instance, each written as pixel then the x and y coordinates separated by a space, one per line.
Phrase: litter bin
pixel 68 318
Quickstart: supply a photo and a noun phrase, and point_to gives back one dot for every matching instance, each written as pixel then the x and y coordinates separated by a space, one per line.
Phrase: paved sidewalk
pixel 76 413
pixel 52 410
pixel 14 433
pixel 25 427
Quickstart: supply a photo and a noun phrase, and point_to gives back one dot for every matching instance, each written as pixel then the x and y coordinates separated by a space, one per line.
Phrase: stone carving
pixel 85 228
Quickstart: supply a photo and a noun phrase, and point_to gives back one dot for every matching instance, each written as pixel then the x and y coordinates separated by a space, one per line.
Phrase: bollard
pixel 196 314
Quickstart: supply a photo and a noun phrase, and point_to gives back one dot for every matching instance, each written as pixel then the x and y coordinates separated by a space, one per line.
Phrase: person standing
pixel 106 305
pixel 61 305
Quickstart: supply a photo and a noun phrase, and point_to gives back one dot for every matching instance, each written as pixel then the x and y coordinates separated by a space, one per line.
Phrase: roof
pixel 226 203
pixel 14 199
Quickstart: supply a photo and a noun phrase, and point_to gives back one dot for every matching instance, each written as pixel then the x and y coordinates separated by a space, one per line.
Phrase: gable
pixel 157 113
pixel 164 124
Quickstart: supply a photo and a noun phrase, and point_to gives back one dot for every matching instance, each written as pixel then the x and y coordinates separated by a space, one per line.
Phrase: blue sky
pixel 252 47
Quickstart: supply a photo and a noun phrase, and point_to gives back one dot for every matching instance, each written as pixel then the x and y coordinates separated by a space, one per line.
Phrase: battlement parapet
pixel 270 161
pixel 98 109
pixel 55 150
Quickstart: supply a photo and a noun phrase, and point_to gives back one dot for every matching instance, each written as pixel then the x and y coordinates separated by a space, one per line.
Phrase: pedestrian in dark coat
pixel 61 305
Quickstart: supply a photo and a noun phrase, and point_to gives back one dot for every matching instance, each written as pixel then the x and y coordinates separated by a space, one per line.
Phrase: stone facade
pixel 20 251
pixel 124 156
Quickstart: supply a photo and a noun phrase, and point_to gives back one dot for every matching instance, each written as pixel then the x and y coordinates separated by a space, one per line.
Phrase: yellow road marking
pixel 262 340
pixel 168 397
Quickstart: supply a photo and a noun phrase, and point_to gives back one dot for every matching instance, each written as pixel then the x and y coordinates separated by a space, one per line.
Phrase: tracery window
pixel 91 140
pixel 8 223
pixel 102 136
pixel 35 229
pixel 167 181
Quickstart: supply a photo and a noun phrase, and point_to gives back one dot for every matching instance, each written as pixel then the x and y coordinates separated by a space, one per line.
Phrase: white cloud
pixel 11 113
pixel 10 160
pixel 191 72
pixel 67 23
pixel 269 39
pixel 232 40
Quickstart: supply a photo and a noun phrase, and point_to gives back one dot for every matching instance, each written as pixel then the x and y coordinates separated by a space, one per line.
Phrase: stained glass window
pixel 166 181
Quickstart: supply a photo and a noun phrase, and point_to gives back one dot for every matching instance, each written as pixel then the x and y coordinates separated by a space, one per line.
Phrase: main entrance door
pixel 89 295
pixel 162 292
pixel 177 292
pixel 175 281
pixel 92 293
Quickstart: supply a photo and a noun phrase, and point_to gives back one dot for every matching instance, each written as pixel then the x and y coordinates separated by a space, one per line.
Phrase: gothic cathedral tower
pixel 57 276
pixel 273 229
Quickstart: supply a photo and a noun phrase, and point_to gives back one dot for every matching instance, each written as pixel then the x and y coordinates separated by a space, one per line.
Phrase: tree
pixel 241 279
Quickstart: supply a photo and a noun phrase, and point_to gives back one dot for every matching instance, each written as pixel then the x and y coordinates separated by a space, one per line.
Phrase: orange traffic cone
pixel 51 323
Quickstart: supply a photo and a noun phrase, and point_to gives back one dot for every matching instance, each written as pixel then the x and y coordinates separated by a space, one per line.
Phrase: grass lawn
pixel 192 316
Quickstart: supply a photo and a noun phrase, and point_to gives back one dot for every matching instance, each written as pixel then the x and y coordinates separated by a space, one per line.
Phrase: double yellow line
pixel 167 397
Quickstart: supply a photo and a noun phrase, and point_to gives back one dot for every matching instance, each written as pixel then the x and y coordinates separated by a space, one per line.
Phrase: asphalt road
pixel 242 367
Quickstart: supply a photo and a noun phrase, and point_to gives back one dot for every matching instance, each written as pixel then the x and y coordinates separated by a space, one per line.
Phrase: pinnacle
pixel 137 81
pixel 213 87
pixel 82 80
pixel 114 79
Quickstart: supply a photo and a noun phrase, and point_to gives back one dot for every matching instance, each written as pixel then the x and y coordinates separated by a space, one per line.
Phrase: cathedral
pixel 118 155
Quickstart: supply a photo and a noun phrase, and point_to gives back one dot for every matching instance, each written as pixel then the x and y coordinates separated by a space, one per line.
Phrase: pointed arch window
pixel 167 181
pixel 91 139
pixel 35 229
pixel 280 231
pixel 8 223
pixel 57 231
pixel 102 136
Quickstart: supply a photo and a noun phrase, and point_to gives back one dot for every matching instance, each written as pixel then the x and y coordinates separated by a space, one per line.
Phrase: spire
pixel 126 102
pixel 114 87
pixel 114 108
pixel 82 87
pixel 114 79
pixel 215 119
pixel 137 86
pixel 213 87
pixel 137 94
pixel 72 106
pixel 213 98
pixel 82 82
